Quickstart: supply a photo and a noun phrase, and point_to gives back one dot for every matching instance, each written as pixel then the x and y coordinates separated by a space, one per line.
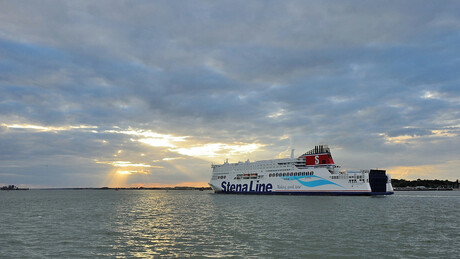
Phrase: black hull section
pixel 378 181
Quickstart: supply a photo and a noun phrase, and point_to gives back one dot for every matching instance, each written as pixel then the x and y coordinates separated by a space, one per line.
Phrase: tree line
pixel 427 183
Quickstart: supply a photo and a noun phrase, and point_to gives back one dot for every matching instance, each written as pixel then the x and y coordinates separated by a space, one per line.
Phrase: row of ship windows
pixel 291 174
pixel 356 181
pixel 248 176
pixel 277 170
pixel 259 168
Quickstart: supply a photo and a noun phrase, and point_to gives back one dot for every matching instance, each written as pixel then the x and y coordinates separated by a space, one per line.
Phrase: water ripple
pixel 107 223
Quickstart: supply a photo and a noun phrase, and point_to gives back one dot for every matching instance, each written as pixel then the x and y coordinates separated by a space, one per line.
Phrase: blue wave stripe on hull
pixel 314 183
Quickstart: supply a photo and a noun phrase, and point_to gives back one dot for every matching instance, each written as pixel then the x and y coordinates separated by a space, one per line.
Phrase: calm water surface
pixel 142 223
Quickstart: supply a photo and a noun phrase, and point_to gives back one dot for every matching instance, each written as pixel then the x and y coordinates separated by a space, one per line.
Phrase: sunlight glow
pixel 151 138
pixel 129 172
pixel 125 172
pixel 430 171
pixel 171 158
pixel 444 133
pixel 157 142
pixel 216 149
pixel 45 128
pixel 126 164
pixel 172 143
pixel 399 139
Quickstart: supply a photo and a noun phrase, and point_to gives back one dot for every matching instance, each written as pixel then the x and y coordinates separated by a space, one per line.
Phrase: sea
pixel 201 224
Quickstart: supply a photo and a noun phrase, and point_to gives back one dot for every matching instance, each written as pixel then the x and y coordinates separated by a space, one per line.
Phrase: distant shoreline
pixel 129 188
pixel 16 188
pixel 422 189
pixel 398 185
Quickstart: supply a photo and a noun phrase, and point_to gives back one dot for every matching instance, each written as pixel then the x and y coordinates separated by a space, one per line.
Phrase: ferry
pixel 313 173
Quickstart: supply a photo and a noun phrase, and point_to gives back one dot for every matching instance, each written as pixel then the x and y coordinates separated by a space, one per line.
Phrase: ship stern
pixel 380 182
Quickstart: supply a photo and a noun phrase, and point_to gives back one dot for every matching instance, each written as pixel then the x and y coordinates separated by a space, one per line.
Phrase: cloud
pixel 80 81
pixel 412 132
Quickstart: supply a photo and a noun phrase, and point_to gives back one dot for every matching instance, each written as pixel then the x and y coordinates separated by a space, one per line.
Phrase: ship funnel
pixel 292 153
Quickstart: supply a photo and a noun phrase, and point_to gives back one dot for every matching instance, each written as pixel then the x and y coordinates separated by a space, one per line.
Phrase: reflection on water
pixel 129 223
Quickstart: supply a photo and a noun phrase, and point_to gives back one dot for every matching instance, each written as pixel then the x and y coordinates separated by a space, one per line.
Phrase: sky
pixel 151 93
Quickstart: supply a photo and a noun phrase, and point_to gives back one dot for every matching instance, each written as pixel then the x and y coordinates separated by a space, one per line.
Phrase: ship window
pixel 292 174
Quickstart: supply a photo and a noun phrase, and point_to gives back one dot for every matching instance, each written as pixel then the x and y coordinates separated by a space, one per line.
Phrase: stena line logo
pixel 316 160
pixel 251 187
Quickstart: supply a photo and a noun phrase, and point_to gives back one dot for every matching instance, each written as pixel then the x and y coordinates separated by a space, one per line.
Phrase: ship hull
pixel 313 182
pixel 318 193
pixel 313 173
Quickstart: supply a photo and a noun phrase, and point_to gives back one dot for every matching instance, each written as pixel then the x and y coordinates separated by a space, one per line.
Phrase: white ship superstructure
pixel 313 173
